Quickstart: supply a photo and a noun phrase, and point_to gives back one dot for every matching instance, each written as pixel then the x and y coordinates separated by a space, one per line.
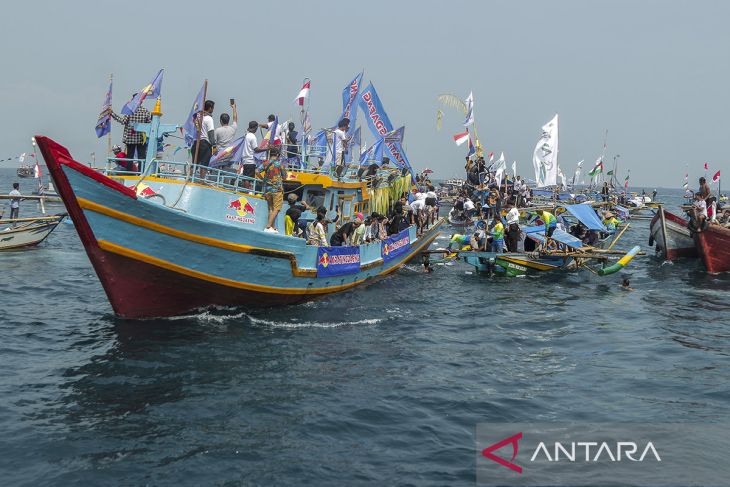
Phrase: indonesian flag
pixel 707 167
pixel 461 138
pixel 37 170
pixel 491 156
pixel 303 93
pixel 716 177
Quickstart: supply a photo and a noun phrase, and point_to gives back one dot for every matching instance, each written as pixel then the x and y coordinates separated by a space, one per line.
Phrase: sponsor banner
pixel 580 454
pixel 337 261
pixel 392 247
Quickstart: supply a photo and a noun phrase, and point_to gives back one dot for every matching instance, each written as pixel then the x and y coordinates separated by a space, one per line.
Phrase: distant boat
pixel 670 236
pixel 25 171
pixel 29 231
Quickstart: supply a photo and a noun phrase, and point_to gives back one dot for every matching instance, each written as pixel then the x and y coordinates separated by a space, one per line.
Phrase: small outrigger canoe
pixel 27 232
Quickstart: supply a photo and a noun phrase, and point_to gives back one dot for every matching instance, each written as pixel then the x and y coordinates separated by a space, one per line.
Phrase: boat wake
pixel 309 324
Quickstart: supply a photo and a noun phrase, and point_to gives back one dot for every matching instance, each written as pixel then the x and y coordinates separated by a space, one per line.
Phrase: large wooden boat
pixel 713 244
pixel 670 235
pixel 168 241
pixel 27 232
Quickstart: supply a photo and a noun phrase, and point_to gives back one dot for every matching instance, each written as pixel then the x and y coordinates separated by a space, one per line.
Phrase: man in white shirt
pixel 225 134
pixel 203 151
pixel 468 207
pixel 250 147
pixel 279 127
pixel 341 142
pixel 15 201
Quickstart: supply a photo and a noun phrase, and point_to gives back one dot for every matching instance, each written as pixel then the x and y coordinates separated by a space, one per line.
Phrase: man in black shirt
pixel 293 213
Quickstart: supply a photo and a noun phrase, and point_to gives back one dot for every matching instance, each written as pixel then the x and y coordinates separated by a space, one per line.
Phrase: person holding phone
pixel 226 133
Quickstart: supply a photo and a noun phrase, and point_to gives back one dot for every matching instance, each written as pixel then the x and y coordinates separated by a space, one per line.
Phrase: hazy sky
pixel 654 73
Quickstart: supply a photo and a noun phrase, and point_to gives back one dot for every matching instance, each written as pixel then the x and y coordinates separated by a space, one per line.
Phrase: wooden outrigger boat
pixel 21 233
pixel 670 236
pixel 167 242
pixel 713 245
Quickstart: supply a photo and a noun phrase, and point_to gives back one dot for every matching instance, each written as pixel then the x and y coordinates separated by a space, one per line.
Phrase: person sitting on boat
pixel 120 156
pixel 292 224
pixel 699 210
pixel 591 238
pixel 478 240
pixel 459 240
pixel 497 236
pixel 273 187
pixel 316 234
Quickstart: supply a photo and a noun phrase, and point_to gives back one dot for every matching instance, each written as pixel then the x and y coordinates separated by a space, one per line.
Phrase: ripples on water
pixel 382 384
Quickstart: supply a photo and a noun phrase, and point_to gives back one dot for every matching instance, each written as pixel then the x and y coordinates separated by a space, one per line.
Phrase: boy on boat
pixel 274 175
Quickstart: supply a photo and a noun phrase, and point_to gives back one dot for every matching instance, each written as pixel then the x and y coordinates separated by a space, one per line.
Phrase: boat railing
pixel 229 178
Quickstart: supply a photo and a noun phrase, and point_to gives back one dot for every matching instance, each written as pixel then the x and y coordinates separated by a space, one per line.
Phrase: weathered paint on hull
pixel 714 247
pixel 679 242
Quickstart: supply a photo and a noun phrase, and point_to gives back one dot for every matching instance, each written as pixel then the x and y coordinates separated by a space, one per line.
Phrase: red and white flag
pixel 461 138
pixel 303 93
pixel 491 156
pixel 716 177
pixel 37 170
pixel 707 167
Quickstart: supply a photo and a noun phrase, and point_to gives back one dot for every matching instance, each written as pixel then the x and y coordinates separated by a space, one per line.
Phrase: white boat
pixel 27 232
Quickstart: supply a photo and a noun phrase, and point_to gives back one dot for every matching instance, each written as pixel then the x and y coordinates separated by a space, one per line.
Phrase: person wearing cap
pixel 341 141
pixel 610 221
pixel 120 156
pixel 292 223
pixel 358 238
pixel 273 187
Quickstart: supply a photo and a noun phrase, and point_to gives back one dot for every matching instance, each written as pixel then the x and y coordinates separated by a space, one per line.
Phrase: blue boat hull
pixel 154 260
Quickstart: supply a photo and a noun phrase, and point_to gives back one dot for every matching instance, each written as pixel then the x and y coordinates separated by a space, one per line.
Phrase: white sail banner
pixel 545 157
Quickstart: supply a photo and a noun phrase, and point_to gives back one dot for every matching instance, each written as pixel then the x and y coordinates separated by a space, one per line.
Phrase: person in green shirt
pixel 497 236
pixel 459 240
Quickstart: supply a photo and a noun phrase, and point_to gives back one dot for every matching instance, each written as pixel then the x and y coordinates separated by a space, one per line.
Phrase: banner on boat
pixel 337 261
pixel 394 246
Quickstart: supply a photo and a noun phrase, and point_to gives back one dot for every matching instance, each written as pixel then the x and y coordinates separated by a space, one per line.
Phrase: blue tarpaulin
pixel 538 233
pixel 587 216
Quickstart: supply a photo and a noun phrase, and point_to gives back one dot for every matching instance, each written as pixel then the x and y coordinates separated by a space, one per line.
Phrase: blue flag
pixel 190 127
pixel 232 153
pixel 349 101
pixel 378 120
pixel 104 125
pixel 380 126
pixel 151 90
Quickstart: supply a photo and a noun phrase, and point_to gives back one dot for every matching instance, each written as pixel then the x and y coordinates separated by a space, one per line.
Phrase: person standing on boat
pixel 550 222
pixel 250 148
pixel 15 201
pixel 497 236
pixel 135 141
pixel 292 224
pixel 225 134
pixel 207 146
pixel 292 149
pixel 274 175
pixel 341 141
pixel 316 234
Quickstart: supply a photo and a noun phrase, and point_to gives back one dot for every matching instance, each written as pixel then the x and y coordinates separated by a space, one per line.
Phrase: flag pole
pixel 199 123
pixel 109 134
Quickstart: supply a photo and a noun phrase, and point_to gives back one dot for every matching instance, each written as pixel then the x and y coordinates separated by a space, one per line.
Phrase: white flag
pixel 545 157
pixel 21 158
pixel 469 110
pixel 500 166
pixel 514 168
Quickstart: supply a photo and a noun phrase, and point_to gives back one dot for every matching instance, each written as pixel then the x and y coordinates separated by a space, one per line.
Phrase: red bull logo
pixel 324 261
pixel 245 211
pixel 143 190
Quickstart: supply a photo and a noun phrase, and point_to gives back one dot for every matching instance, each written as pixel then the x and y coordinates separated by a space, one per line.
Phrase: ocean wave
pixel 309 324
